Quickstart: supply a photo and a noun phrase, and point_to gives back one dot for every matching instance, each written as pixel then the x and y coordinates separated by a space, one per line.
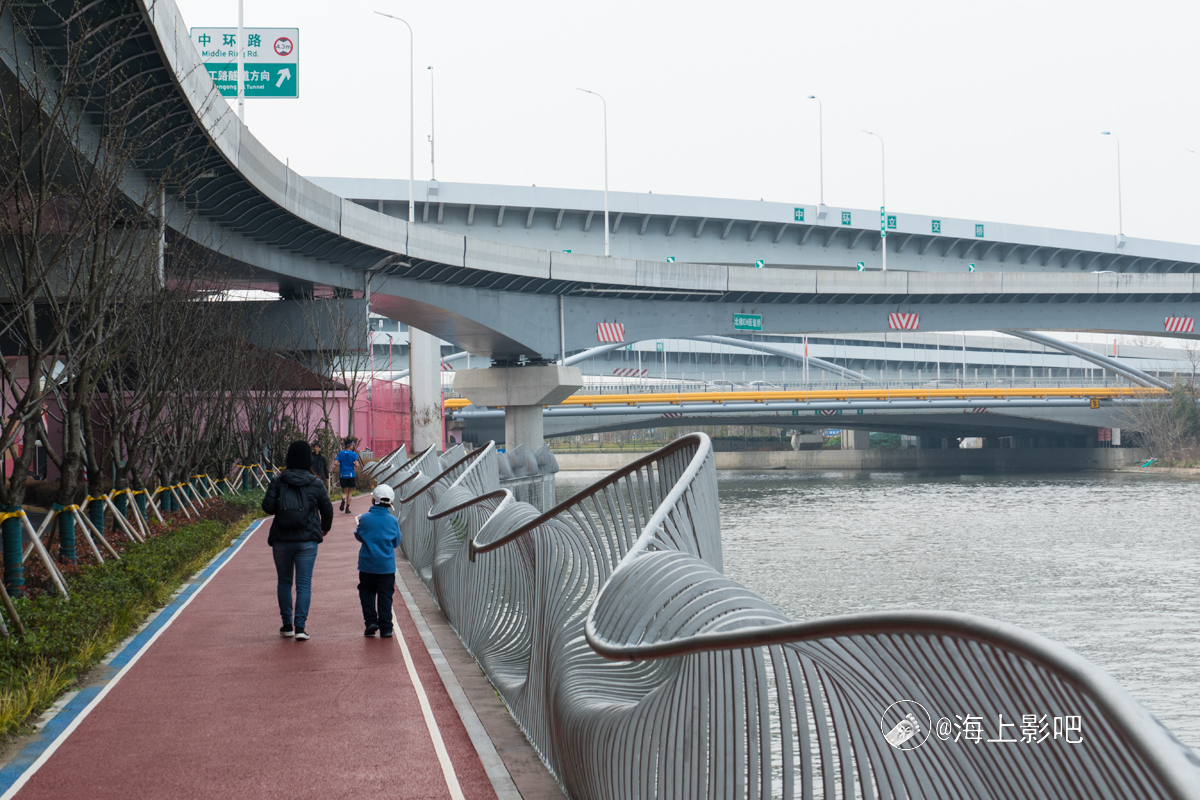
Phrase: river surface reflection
pixel 1106 563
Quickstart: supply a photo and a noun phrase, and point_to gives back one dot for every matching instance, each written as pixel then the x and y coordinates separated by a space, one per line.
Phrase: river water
pixel 1106 563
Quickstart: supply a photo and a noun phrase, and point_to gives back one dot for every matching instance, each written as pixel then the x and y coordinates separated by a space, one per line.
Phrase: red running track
pixel 222 706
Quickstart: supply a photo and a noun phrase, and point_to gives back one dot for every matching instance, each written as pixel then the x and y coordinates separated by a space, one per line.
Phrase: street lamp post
pixel 241 66
pixel 589 91
pixel 412 214
pixel 1120 221
pixel 820 153
pixel 432 159
pixel 882 195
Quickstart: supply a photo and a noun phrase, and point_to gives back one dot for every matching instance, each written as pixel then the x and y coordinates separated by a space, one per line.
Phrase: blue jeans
pixel 297 557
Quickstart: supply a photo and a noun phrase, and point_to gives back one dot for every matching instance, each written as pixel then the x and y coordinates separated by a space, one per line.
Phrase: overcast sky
pixel 991 110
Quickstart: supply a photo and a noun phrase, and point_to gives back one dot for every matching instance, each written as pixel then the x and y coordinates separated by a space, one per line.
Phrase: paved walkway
pixel 221 706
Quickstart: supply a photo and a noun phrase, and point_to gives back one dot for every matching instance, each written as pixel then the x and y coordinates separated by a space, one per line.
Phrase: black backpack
pixel 292 511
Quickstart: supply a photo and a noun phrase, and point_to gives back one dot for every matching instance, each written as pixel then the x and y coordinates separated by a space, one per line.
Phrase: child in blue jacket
pixel 380 536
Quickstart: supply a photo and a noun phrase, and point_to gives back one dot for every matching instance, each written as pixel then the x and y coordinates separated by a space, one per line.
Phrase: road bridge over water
pixel 1000 415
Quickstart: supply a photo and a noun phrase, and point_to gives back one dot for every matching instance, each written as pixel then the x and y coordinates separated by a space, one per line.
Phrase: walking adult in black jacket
pixel 303 515
pixel 320 465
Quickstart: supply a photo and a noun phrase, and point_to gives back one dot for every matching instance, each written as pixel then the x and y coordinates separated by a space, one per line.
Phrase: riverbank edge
pixel 896 460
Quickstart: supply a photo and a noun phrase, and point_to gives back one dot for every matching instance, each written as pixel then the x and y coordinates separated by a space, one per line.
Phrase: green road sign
pixel 799 215
pixel 272 60
pixel 861 266
pixel 758 262
pixel 970 267
pixel 979 231
pixel 658 346
pixel 566 251
pixel 891 222
pixel 747 322
pixel 670 259
pixel 935 226
pixel 262 80
pixel 845 217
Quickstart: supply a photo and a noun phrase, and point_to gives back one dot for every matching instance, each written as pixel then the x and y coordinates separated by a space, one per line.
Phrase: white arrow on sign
pixel 285 74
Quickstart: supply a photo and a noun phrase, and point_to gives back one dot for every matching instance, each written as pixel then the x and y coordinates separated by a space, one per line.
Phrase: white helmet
pixel 383 495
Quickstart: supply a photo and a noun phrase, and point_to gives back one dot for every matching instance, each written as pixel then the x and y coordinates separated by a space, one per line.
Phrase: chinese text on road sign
pixel 272 60
pixel 747 322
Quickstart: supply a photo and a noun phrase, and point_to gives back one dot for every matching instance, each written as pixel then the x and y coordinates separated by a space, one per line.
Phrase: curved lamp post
pixel 820 152
pixel 1120 221
pixel 882 195
pixel 589 91
pixel 412 215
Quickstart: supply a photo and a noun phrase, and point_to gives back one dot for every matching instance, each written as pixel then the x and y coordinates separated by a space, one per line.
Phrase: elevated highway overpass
pixel 710 230
pixel 227 198
pixel 273 229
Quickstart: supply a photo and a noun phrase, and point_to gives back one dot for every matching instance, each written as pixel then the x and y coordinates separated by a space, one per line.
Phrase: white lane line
pixel 435 733
pixel 67 731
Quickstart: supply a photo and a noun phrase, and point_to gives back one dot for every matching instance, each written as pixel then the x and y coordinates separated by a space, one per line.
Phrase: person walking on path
pixel 347 458
pixel 303 515
pixel 380 536
pixel 320 465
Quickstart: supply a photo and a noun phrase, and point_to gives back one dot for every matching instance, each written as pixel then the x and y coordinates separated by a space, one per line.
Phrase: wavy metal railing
pixel 638 670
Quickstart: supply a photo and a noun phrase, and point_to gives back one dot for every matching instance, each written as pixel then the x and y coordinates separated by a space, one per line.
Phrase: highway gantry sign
pixel 799 215
pixel 845 217
pixel 747 322
pixel 272 60
pixel 935 226
pixel 758 262
pixel 979 231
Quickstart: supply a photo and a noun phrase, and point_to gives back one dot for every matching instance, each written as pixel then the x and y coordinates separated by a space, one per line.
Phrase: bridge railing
pixel 637 669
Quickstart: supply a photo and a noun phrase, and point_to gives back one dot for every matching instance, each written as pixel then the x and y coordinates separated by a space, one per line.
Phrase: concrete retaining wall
pixel 998 460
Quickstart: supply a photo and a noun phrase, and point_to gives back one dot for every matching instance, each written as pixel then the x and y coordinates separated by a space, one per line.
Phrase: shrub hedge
pixel 64 637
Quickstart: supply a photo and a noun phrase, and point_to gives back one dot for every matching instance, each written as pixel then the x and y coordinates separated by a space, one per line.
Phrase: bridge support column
pixel 425 386
pixel 522 391
pixel 856 440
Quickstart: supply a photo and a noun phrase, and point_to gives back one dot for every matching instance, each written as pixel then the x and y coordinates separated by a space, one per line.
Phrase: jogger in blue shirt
pixel 346 459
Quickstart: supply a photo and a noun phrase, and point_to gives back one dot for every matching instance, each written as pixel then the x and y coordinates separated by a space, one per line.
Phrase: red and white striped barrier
pixel 610 332
pixel 446 367
pixel 631 372
pixel 1180 325
pixel 979 410
pixel 672 415
pixel 899 321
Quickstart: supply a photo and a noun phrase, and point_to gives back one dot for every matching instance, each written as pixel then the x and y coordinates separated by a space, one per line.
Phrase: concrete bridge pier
pixel 425 385
pixel 856 440
pixel 521 391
